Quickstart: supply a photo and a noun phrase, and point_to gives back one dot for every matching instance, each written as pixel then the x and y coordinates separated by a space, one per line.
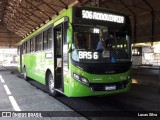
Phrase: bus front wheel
pixel 51 86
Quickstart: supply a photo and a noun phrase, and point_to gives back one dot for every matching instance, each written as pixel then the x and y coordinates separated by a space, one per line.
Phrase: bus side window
pixel 32 44
pixel 58 42
pixel 49 36
pixel 24 47
pixel 28 46
pixel 45 42
pixel 38 40
pixel 47 39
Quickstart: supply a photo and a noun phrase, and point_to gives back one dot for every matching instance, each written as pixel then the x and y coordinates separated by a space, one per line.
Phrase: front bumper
pixel 78 89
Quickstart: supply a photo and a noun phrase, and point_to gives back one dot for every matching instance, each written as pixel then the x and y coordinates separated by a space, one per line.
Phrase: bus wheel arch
pixel 50 83
pixel 48 71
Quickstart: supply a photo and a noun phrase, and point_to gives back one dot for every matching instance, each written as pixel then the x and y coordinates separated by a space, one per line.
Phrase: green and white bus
pixel 82 52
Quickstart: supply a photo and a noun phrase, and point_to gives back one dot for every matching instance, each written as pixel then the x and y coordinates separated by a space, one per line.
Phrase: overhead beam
pixel 56 5
pixel 56 12
pixel 86 2
pixel 16 25
pixel 38 9
pixel 19 12
pixel 66 7
pixel 80 1
pixel 14 28
pixel 30 12
pixel 153 18
pixel 101 3
pixel 16 22
pixel 134 22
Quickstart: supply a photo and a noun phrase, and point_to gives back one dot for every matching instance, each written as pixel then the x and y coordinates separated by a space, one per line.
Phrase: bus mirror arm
pixel 70 49
pixel 69 41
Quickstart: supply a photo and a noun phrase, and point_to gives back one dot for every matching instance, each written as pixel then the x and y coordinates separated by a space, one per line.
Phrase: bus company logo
pixel 6 114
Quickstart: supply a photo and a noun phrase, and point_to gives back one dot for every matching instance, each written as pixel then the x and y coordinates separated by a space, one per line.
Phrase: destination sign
pixel 102 16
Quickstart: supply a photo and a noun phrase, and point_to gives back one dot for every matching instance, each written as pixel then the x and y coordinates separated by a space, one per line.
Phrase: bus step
pixel 59 89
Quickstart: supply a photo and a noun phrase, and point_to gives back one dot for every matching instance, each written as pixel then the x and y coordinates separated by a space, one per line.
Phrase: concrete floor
pixel 28 97
pixel 144 97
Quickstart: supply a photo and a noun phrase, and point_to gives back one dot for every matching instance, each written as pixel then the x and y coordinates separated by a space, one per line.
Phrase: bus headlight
pixel 129 77
pixel 80 78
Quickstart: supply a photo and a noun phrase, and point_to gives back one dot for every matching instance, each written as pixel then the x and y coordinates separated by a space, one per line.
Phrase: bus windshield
pixel 94 44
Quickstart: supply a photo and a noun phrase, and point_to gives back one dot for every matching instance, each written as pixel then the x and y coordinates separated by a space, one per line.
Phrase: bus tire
pixel 25 74
pixel 51 89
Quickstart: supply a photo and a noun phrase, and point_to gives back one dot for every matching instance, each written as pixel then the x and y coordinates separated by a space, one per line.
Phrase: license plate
pixel 110 87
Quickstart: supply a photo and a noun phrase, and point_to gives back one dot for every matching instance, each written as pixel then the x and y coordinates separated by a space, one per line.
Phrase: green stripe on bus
pixel 59 21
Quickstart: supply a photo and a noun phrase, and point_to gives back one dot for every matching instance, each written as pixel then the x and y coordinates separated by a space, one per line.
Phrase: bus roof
pixel 67 13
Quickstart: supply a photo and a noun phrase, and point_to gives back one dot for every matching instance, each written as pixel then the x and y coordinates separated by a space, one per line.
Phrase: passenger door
pixel 60 55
